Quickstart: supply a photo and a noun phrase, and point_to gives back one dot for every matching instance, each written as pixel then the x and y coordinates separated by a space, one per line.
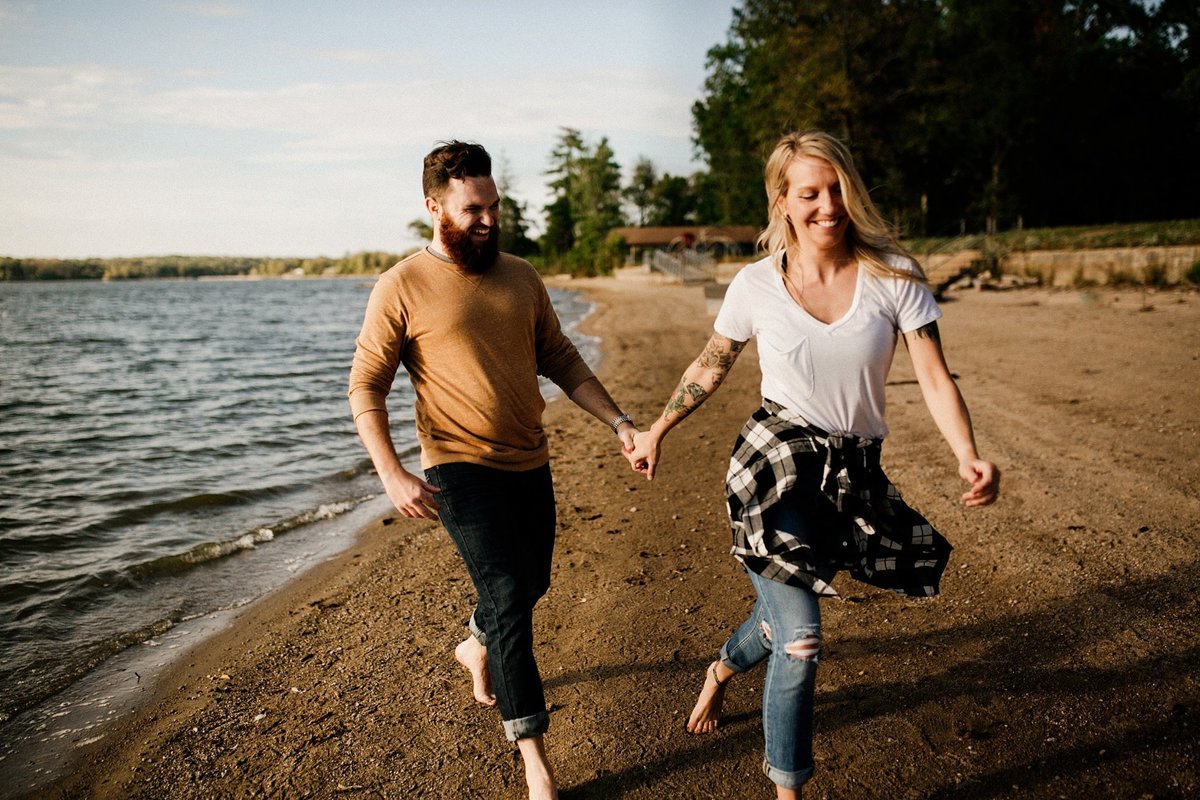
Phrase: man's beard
pixel 465 251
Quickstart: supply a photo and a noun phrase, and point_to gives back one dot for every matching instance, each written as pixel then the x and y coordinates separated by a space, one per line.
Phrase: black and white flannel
pixel 894 547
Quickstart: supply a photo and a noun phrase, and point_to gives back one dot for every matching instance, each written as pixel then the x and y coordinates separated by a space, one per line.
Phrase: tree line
pixel 16 269
pixel 968 114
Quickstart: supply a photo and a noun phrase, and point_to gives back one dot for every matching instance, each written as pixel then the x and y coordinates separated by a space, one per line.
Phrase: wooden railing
pixel 687 265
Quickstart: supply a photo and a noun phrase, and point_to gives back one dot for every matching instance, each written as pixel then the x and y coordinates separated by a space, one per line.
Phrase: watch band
pixel 616 423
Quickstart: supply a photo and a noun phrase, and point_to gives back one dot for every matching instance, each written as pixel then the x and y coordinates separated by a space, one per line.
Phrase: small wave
pixel 200 554
pixel 210 551
pixel 197 502
pixel 321 512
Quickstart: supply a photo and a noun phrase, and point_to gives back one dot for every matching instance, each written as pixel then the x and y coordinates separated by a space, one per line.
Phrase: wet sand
pixel 1060 661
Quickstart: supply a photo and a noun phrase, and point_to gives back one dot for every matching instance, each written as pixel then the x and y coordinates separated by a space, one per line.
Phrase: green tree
pixel 856 68
pixel 514 227
pixel 640 191
pixel 597 201
pixel 421 228
pixel 586 189
pixel 564 170
pixel 673 202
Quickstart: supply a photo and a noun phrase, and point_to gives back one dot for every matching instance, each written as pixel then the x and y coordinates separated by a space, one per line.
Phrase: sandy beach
pixel 1061 661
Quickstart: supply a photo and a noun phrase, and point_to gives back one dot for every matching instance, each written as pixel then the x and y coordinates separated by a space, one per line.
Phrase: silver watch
pixel 616 423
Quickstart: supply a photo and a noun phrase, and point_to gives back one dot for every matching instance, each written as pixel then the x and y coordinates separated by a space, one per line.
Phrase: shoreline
pixel 43 737
pixel 343 682
pixel 40 739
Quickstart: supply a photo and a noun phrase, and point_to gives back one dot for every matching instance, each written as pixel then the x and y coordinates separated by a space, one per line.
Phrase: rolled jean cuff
pixel 723 656
pixel 477 632
pixel 525 727
pixel 787 780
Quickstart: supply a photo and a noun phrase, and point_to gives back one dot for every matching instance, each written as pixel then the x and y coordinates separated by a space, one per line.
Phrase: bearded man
pixel 474 328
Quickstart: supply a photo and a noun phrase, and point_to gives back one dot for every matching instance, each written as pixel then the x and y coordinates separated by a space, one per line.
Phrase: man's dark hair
pixel 454 160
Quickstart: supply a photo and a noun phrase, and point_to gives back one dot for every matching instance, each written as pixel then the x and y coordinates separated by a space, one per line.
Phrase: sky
pixel 296 128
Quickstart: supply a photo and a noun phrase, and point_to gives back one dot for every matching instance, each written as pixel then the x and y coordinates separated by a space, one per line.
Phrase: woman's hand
pixel 644 455
pixel 984 477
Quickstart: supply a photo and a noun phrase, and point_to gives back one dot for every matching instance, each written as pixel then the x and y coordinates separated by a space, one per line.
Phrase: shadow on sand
pixel 1019 662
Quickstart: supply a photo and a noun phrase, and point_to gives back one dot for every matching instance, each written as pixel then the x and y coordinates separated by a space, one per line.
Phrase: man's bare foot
pixel 473 656
pixel 538 775
pixel 707 713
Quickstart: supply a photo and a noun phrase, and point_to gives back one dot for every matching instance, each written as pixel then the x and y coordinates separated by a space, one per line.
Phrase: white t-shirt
pixel 832 374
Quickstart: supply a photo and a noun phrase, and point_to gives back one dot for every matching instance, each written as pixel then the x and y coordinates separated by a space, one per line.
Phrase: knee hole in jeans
pixel 806 648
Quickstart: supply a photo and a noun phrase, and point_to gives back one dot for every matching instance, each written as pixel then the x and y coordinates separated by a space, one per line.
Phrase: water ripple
pixel 150 430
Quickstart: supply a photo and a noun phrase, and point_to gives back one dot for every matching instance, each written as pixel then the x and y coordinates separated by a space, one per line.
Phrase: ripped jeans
pixel 784 628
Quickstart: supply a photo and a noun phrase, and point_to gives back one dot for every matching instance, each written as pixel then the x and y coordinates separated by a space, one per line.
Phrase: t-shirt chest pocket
pixel 787 358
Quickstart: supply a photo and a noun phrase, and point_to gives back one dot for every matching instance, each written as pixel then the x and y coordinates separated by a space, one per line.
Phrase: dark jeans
pixel 503 525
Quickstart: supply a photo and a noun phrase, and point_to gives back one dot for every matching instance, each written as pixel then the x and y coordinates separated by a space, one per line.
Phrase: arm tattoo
pixel 929 331
pixel 717 358
pixel 720 353
pixel 679 404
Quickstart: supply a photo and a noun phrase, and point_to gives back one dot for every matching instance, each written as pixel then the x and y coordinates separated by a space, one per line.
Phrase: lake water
pixel 169 450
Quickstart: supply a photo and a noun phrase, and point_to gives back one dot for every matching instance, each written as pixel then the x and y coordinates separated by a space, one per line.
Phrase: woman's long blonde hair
pixel 868 236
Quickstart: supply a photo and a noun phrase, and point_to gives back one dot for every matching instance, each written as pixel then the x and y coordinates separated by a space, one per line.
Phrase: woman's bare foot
pixel 473 656
pixel 538 775
pixel 707 713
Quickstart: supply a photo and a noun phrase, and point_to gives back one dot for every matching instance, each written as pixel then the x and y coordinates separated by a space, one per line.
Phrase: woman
pixel 806 495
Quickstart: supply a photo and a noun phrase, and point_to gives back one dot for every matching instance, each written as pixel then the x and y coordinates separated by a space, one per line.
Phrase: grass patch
pixel 1134 234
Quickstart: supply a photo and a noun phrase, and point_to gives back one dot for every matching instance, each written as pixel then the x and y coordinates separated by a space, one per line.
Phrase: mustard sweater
pixel 473 346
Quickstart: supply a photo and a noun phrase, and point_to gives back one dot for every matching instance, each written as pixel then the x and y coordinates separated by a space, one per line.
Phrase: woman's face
pixel 813 204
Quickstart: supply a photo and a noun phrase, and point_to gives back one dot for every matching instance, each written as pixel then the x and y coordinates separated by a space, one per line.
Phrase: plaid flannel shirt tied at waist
pixel 894 547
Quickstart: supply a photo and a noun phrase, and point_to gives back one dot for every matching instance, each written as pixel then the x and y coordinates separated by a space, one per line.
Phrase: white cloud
pixel 333 122
pixel 62 97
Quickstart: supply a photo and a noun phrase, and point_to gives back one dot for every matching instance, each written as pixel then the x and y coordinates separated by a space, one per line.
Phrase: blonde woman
pixel 805 491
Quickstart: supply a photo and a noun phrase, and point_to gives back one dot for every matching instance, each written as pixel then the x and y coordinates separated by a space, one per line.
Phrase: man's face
pixel 468 222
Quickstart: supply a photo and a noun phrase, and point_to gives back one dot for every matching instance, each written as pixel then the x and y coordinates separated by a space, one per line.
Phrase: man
pixel 474 328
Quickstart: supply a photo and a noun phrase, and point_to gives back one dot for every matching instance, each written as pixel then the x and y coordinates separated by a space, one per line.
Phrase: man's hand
pixel 411 496
pixel 626 433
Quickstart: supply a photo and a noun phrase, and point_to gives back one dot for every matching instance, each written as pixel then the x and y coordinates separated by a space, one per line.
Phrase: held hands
pixel 643 454
pixel 412 496
pixel 626 433
pixel 984 477
pixel 639 448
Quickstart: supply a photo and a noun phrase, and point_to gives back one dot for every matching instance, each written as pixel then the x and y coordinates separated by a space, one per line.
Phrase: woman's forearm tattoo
pixel 716 359
pixel 679 405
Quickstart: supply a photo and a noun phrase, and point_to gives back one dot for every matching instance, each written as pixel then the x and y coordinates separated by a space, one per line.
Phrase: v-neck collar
pixel 781 284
